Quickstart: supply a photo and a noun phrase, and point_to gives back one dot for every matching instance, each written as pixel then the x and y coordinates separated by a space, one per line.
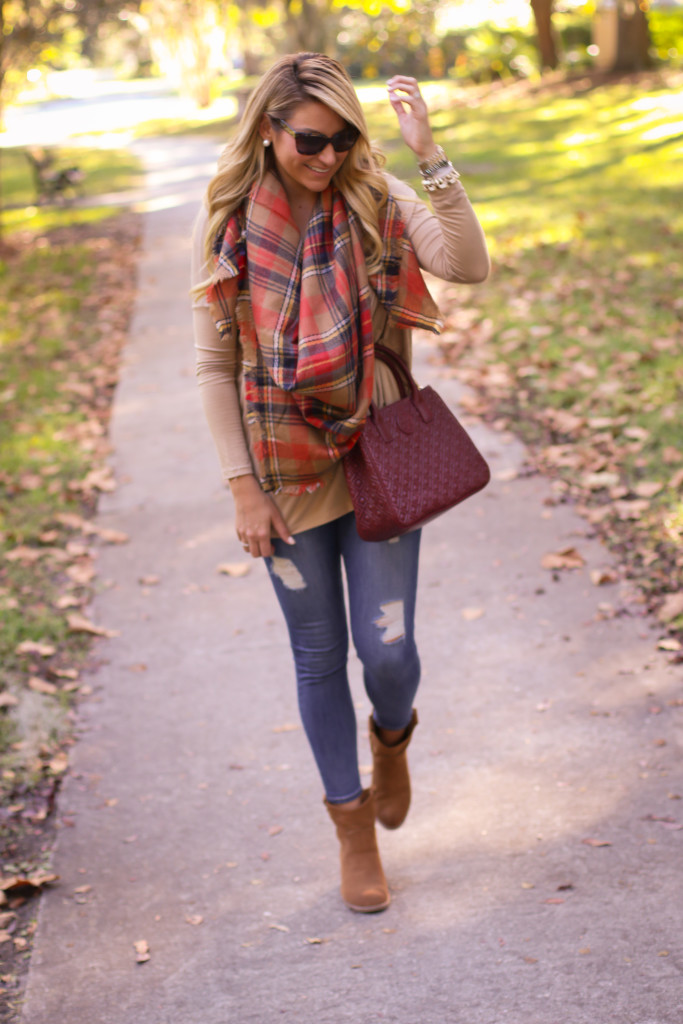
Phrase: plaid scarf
pixel 303 313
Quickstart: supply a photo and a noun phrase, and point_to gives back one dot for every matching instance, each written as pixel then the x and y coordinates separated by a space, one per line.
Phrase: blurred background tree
pixel 201 44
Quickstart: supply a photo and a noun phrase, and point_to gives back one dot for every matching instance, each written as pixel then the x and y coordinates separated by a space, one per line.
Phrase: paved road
pixel 197 817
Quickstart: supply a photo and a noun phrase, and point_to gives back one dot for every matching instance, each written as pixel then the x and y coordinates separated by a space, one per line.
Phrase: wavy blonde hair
pixel 292 80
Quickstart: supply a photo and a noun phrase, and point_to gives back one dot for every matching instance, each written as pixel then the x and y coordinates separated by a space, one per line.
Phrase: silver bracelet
pixel 431 184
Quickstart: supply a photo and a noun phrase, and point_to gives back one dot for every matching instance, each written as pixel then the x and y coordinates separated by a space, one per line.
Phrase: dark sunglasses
pixel 310 143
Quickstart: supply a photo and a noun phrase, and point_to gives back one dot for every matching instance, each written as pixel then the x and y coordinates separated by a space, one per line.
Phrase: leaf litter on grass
pixel 575 342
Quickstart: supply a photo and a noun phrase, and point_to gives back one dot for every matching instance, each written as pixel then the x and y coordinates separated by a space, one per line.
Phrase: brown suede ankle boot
pixel 390 778
pixel 363 885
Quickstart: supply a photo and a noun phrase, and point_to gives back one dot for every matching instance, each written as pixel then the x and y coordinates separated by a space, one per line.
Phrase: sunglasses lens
pixel 345 139
pixel 309 145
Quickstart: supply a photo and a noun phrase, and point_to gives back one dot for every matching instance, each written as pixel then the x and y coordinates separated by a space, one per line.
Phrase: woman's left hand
pixel 413 117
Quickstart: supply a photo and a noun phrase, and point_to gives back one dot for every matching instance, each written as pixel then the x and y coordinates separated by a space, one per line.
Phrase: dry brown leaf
pixel 275 830
pixel 670 644
pixel 596 842
pixel 286 727
pixel 8 700
pixel 149 581
pixel 39 685
pixel 69 601
pixel 235 569
pixel 5 937
pixel 671 607
pixel 45 650
pixel 472 614
pixel 142 954
pixel 599 577
pixel 598 481
pixel 112 536
pixel 59 764
pixel 315 941
pixel 194 919
pixel 82 573
pixel 648 488
pixel 566 558
pixel 15 883
pixel 79 624
pixel 22 553
pixel 631 509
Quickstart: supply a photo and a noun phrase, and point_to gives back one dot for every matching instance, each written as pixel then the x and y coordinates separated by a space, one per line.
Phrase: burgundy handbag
pixel 412 461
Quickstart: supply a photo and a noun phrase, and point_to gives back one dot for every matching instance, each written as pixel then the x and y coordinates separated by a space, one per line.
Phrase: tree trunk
pixel 307 31
pixel 633 38
pixel 547 45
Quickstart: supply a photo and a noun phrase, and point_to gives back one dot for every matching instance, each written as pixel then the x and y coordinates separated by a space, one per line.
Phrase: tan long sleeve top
pixel 449 244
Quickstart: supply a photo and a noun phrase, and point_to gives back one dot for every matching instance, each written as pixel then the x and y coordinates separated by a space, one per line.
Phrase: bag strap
pixel 406 382
pixel 399 368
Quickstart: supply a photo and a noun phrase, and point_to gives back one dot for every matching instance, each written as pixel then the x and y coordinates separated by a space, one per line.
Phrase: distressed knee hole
pixel 287 573
pixel 392 621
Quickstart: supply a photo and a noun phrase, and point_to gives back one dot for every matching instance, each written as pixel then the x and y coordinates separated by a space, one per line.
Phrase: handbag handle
pixel 407 384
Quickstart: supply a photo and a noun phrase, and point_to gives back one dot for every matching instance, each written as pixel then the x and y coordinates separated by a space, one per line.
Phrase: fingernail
pixel 290 540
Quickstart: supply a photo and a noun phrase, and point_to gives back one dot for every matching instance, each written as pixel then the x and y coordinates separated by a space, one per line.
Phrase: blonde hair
pixel 292 80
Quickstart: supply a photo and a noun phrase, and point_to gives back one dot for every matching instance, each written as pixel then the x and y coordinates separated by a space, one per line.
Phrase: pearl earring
pixel 266 143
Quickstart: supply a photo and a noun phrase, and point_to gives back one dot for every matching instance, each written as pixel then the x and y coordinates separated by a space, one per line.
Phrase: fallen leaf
pixel 59 764
pixel 39 685
pixel 275 830
pixel 566 558
pixel 36 881
pixel 234 569
pixel 585 951
pixel 596 842
pixel 8 700
pixel 112 536
pixel 315 942
pixel 279 927
pixel 671 607
pixel 554 900
pixel 194 919
pixel 79 624
pixel 669 644
pixel 472 614
pixel 81 573
pixel 142 953
pixel 599 577
pixel 45 650
pixel 648 488
pixel 149 581
pixel 286 727
pixel 22 553
pixel 5 937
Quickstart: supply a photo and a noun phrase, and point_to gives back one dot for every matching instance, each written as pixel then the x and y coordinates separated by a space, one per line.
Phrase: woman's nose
pixel 328 155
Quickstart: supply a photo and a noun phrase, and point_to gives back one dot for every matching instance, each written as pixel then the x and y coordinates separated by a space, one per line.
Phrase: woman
pixel 306 254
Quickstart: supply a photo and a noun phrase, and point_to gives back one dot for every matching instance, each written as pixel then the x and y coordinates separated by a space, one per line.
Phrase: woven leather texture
pixel 413 461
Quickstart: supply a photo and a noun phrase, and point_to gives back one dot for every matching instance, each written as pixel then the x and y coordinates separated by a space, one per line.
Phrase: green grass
pixel 579 191
pixel 105 170
pixel 66 290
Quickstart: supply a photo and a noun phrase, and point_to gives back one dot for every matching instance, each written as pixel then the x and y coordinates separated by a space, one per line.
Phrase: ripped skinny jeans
pixel 382 583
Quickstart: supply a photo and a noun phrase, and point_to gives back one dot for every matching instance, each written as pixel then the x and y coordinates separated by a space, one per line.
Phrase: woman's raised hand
pixel 413 117
pixel 256 515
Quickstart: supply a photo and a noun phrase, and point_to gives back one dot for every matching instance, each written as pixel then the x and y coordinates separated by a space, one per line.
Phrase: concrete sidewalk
pixel 198 823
